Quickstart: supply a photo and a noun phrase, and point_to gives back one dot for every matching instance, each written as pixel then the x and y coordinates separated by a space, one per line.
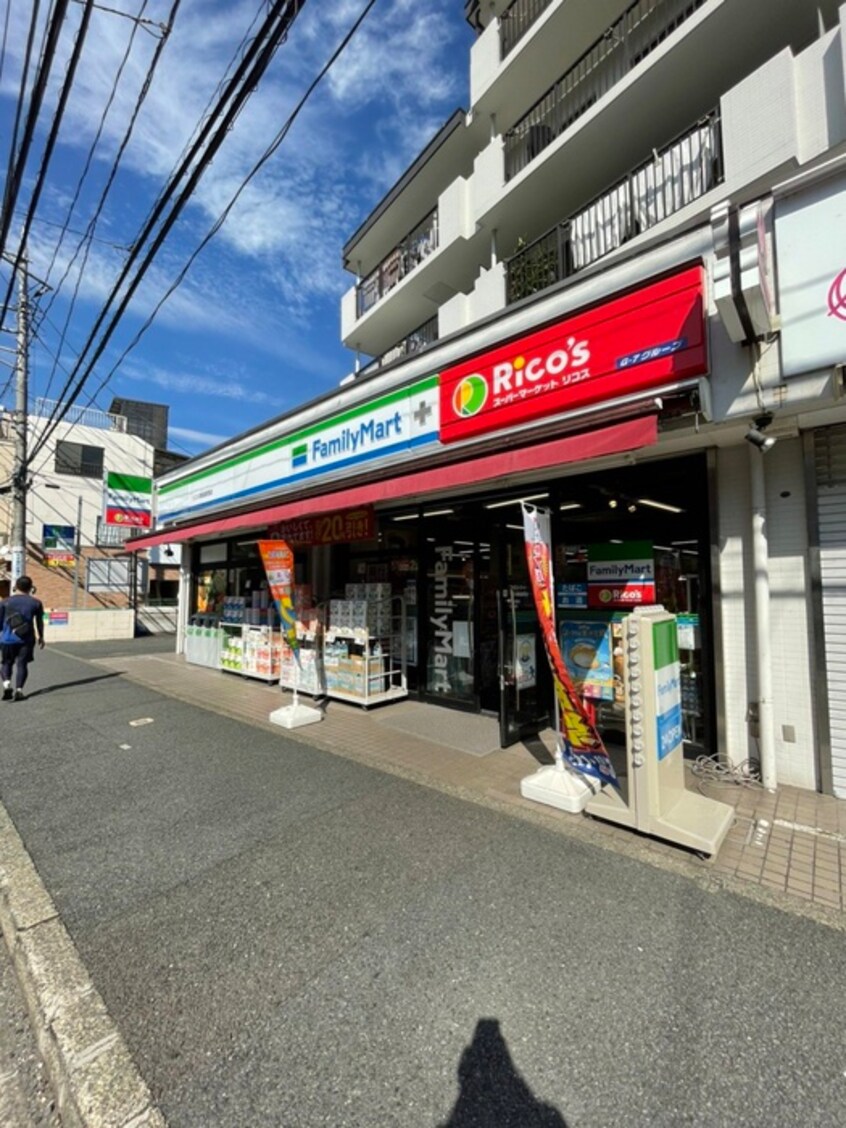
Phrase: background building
pixel 75 556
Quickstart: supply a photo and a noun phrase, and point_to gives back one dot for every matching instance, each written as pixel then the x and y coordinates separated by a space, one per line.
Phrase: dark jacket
pixel 31 610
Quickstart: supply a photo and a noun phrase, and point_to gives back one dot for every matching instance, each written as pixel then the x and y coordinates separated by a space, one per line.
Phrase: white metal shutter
pixel 830 459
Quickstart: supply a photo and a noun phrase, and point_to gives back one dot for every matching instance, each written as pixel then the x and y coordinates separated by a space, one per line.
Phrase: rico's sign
pixel 638 341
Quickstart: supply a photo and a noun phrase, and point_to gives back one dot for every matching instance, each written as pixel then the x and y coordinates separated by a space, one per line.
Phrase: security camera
pixel 755 435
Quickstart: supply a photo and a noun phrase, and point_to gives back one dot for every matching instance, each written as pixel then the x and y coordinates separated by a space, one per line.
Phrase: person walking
pixel 21 621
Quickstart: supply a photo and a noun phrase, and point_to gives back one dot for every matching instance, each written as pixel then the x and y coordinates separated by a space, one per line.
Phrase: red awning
pixel 629 435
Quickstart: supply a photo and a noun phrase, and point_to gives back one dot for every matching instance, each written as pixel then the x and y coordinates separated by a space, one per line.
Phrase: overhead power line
pixel 13 172
pixel 76 52
pixel 265 157
pixel 209 140
pixel 88 237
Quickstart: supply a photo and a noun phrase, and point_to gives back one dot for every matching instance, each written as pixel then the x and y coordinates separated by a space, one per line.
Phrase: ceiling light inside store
pixel 659 505
pixel 516 501
pixel 520 527
pixel 405 517
pixel 613 503
pixel 569 505
pixel 438 512
pixel 631 507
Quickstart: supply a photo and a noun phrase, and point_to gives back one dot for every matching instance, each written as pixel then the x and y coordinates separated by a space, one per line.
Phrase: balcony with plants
pixel 684 171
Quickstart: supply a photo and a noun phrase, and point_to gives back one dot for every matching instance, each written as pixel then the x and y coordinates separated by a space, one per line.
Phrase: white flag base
pixel 558 786
pixel 294 716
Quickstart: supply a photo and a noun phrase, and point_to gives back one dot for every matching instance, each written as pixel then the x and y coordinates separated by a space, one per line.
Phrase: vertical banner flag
pixel 278 559
pixel 582 744
pixel 129 501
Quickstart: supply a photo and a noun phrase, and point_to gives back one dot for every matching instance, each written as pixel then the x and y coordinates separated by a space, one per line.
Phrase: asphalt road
pixel 289 938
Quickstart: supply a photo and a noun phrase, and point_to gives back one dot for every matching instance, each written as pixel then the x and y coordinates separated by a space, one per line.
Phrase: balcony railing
pixel 685 170
pixel 423 336
pixel 640 29
pixel 83 416
pixel 516 20
pixel 416 246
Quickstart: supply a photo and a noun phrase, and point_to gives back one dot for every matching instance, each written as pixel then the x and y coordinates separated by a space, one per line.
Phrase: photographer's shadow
pixel 492 1092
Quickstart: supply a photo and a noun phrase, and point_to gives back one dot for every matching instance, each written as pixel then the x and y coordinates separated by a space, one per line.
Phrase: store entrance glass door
pixel 525 682
pixel 450 609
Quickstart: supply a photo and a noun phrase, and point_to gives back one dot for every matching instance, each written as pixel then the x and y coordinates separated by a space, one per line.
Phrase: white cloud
pixel 197 438
pixel 201 386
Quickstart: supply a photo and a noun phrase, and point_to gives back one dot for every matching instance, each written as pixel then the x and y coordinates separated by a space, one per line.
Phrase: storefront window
pixel 210 591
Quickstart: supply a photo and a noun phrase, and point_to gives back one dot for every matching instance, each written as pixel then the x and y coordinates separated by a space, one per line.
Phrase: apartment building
pixel 614 289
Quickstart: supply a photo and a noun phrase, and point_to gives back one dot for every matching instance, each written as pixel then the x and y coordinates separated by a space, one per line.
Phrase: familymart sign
pixel 383 430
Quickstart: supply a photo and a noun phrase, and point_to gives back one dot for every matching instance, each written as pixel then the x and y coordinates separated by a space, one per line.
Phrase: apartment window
pixel 76 458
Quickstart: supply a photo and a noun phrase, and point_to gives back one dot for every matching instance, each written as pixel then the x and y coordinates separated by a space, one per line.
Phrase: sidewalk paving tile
pixel 789 840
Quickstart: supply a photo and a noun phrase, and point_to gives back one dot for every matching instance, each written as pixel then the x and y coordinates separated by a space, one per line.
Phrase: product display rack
pixel 305 672
pixel 364 648
pixel 251 650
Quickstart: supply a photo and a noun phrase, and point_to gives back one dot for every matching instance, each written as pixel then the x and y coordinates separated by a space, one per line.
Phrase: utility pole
pixel 19 473
pixel 77 551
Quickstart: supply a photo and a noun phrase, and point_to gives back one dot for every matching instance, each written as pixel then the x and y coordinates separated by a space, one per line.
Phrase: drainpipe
pixel 763 640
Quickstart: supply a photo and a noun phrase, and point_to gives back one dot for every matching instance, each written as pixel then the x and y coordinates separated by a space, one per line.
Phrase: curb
pixel 95 1081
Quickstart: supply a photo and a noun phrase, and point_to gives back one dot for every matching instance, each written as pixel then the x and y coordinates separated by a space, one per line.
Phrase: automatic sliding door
pixel 450 611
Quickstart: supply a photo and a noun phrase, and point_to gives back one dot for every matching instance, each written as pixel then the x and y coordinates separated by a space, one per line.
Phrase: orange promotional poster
pixel 582 746
pixel 278 560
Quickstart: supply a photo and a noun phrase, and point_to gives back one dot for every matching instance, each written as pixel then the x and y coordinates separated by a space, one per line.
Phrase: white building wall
pixel 488 178
pixel 733 529
pixel 820 96
pixel 737 679
pixel 486 299
pixel 484 61
pixel 454 220
pixel 790 626
pixel 759 121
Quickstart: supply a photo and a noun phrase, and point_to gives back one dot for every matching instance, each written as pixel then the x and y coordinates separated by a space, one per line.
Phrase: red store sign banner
pixel 651 336
pixel 328 528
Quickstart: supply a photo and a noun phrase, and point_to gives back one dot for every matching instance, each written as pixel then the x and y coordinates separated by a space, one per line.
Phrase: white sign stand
pixel 659 802
pixel 558 785
pixel 295 715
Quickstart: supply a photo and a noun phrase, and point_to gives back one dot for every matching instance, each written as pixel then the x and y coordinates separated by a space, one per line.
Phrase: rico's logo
pixel 510 376
pixel 470 396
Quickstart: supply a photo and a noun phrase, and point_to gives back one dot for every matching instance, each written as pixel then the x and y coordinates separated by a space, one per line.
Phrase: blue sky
pixel 254 329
